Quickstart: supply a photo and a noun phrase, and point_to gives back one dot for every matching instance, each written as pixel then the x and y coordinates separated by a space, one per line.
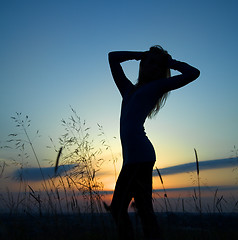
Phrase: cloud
pixel 202 188
pixel 35 174
pixel 203 165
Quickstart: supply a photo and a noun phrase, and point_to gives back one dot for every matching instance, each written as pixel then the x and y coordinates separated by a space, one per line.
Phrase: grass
pixel 56 212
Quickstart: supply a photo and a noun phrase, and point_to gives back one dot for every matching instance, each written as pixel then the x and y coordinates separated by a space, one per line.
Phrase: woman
pixel 139 102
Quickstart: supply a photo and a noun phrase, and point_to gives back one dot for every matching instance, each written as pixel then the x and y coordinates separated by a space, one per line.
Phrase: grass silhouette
pixel 56 211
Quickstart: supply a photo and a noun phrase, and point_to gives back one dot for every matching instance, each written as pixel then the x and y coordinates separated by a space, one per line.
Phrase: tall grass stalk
pixel 105 142
pixel 23 124
pixel 37 198
pixel 198 180
pixel 166 199
pixel 57 159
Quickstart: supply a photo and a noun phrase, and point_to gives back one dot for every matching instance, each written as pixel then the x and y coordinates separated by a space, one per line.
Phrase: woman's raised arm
pixel 188 75
pixel 115 58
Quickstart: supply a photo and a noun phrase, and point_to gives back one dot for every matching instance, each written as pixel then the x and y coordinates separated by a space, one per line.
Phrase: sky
pixel 53 55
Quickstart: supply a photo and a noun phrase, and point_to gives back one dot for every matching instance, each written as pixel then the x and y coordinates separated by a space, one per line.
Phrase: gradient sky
pixel 53 54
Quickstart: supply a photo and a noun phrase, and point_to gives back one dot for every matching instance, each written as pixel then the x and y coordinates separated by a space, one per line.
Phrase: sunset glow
pixel 54 58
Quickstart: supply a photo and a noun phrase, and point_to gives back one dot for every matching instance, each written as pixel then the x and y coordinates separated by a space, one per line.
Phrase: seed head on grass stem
pixel 57 159
pixel 197 163
pixel 199 189
pixel 165 193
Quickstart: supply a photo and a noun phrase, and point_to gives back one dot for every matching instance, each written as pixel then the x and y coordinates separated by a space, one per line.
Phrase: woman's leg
pixel 143 200
pixel 120 202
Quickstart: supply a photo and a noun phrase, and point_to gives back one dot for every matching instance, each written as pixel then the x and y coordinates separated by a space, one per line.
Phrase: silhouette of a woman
pixel 140 101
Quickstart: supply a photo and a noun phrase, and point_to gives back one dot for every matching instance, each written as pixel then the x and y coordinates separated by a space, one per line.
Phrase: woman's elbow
pixel 196 74
pixel 111 55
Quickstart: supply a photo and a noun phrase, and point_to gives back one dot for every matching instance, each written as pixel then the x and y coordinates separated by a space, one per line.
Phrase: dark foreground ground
pixel 101 226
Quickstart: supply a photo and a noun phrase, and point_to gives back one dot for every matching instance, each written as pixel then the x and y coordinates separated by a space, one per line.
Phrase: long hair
pixel 164 73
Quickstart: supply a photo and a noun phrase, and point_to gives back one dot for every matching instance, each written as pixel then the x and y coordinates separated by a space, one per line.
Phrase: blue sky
pixel 53 54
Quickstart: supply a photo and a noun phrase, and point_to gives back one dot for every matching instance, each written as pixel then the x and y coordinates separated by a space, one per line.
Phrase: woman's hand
pixel 169 61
